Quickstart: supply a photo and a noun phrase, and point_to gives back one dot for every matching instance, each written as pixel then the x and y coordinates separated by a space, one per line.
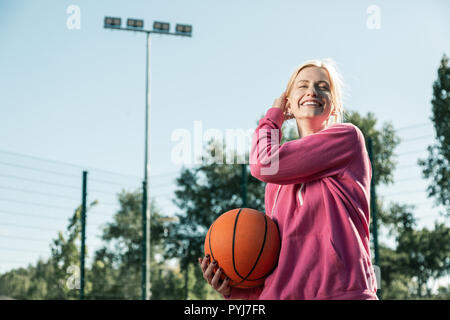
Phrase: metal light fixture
pixel 135 23
pixel 112 22
pixel 161 26
pixel 184 29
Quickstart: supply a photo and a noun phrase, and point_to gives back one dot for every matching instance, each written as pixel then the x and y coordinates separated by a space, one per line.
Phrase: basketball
pixel 246 244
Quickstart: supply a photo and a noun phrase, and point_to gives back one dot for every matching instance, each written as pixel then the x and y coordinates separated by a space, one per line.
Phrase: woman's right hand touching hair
pixel 213 278
pixel 282 103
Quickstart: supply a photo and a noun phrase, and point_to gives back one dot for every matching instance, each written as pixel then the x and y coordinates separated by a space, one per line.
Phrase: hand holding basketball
pixel 213 278
pixel 245 243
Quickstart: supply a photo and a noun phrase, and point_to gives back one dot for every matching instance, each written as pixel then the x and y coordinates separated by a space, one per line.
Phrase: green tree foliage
pixel 384 143
pixel 436 167
pixel 428 256
pixel 56 278
pixel 116 270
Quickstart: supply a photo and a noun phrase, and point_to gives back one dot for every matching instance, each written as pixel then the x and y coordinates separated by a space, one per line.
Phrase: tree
pixel 384 143
pixel 437 166
pixel 427 253
pixel 116 270
pixel 56 278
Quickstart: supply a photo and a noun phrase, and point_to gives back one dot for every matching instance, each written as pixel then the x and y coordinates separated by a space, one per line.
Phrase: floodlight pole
pixel 146 213
pixel 146 292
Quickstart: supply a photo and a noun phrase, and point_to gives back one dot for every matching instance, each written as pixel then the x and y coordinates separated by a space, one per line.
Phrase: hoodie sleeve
pixel 325 153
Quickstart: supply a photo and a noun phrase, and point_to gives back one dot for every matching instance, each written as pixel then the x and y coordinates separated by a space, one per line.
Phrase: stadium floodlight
pixel 112 22
pixel 183 29
pixel 161 26
pixel 135 24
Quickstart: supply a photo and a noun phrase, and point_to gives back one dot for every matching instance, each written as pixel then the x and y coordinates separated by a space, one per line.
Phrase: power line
pixel 400 193
pixel 78 166
pixel 39 181
pixel 411 152
pixel 111 183
pixel 23 250
pixel 32 215
pixel 14 261
pixel 76 187
pixel 417 138
pixel 66 186
pixel 38 192
pixel 39 170
pixel 24 238
pixel 29 227
pixel 69 164
pixel 20 214
pixel 423 124
pixel 408 166
pixel 36 204
pixel 408 179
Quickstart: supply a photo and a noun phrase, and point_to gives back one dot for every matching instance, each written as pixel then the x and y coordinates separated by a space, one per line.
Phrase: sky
pixel 73 99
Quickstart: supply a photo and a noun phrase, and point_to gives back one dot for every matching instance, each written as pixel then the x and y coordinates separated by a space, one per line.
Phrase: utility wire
pixel 85 167
pixel 71 186
pixel 411 152
pixel 23 238
pixel 400 193
pixel 36 204
pixel 423 124
pixel 417 138
pixel 40 170
pixel 22 250
pixel 29 227
pixel 40 181
pixel 3 212
pixel 38 192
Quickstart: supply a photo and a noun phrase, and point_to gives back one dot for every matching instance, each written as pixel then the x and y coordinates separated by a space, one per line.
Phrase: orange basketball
pixel 246 244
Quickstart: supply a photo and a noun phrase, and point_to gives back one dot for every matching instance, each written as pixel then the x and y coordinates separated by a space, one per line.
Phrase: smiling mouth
pixel 311 104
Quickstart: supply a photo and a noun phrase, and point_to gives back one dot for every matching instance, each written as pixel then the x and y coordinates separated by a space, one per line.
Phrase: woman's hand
pixel 283 104
pixel 212 278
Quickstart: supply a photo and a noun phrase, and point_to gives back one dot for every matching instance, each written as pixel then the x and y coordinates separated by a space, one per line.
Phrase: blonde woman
pixel 317 192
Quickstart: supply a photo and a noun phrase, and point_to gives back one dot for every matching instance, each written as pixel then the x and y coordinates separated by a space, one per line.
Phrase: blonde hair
pixel 335 84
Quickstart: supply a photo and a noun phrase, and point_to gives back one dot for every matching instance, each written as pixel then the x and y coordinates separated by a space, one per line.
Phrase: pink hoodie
pixel 317 192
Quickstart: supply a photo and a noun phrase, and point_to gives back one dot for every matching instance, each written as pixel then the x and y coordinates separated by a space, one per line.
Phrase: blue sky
pixel 77 97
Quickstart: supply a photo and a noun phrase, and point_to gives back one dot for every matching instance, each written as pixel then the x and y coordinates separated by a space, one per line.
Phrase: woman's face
pixel 310 96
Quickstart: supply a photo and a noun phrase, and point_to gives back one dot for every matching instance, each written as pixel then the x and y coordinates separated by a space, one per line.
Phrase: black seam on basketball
pixel 276 262
pixel 210 248
pixel 262 248
pixel 257 259
pixel 234 238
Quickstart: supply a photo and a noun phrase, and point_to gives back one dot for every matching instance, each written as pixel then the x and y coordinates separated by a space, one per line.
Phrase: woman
pixel 317 192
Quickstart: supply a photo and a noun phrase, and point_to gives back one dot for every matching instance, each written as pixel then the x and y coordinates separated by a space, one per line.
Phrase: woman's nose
pixel 311 92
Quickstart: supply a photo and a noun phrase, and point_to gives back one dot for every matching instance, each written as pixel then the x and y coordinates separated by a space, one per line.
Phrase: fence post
pixel 83 234
pixel 244 185
pixel 373 209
